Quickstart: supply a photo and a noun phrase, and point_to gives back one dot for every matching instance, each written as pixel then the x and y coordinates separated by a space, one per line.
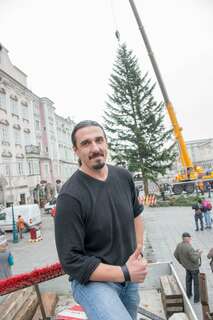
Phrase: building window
pixel 46 169
pixel 14 105
pixel 4 133
pixel 20 168
pixel 7 170
pixel 65 154
pixel 27 139
pixel 17 136
pixel 36 108
pixel 37 124
pixel 2 99
pixel 33 167
pixel 36 167
pixel 25 113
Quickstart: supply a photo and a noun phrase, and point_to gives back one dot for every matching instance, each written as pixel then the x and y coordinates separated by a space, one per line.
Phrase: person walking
pixel 198 215
pixel 20 226
pixel 99 230
pixel 6 259
pixel 206 209
pixel 190 259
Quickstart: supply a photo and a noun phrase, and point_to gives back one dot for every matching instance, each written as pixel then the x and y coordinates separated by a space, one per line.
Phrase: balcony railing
pixel 32 149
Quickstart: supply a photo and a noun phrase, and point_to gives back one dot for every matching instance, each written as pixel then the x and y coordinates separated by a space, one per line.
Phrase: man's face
pixel 91 147
pixel 188 239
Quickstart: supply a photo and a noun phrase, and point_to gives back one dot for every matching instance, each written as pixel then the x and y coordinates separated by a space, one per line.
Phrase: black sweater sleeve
pixel 70 235
pixel 137 207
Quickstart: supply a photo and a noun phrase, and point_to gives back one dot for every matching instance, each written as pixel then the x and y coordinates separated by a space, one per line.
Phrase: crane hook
pixel 117 34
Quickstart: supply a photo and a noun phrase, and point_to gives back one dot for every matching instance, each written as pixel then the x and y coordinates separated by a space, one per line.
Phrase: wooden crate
pixel 171 295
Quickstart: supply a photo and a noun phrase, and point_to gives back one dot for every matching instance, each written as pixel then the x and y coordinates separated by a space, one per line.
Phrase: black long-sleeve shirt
pixel 95 222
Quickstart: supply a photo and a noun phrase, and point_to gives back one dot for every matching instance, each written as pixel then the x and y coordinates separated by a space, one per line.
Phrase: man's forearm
pixel 108 273
pixel 139 230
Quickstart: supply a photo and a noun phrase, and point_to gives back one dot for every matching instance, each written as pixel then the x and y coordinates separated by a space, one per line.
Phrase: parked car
pixel 49 205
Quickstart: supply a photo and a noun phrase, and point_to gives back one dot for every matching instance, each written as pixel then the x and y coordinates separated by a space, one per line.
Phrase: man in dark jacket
pixel 198 215
pixel 189 258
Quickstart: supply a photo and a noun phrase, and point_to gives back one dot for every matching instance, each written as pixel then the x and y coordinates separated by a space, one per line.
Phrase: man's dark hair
pixel 83 124
pixel 186 235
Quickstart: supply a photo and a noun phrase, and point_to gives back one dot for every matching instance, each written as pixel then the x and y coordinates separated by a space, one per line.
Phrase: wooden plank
pixel 174 286
pixel 178 301
pixel 204 296
pixel 28 308
pixel 174 309
pixel 203 289
pixel 171 302
pixel 14 301
pixel 49 301
pixel 170 287
pixel 165 285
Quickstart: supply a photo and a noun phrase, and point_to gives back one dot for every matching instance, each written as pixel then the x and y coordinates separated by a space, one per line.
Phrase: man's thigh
pixel 195 275
pixel 101 301
pixel 131 299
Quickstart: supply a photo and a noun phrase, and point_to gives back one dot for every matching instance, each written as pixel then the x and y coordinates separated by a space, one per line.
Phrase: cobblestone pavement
pixel 28 256
pixel 164 227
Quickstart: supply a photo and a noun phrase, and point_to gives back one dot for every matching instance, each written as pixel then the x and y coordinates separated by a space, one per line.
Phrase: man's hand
pixel 141 200
pixel 137 267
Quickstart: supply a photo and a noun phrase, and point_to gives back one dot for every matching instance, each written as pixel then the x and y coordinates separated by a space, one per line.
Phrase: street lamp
pixel 15 231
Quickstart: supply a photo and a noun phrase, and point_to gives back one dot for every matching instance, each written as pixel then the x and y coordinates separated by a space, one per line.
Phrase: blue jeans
pixel 107 300
pixel 207 218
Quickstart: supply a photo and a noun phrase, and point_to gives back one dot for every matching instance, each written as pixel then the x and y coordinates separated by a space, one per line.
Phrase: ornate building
pixel 32 137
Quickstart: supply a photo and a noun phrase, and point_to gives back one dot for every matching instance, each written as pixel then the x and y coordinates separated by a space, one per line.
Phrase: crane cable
pixel 117 33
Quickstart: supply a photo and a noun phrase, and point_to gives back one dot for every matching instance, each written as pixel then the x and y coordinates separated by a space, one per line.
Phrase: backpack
pixel 209 206
pixel 206 205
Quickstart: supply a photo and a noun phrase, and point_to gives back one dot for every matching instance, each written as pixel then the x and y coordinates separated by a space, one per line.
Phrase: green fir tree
pixel 134 121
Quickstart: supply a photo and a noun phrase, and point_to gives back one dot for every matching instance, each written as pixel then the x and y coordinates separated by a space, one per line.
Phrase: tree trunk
pixel 146 186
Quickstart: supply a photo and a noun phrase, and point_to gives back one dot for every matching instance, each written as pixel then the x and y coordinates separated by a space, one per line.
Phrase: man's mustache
pixel 95 155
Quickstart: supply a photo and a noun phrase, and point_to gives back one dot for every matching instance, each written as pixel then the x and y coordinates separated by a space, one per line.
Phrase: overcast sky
pixel 67 48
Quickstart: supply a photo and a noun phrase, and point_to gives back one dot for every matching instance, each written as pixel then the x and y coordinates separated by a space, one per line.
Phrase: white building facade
pixel 201 152
pixel 31 135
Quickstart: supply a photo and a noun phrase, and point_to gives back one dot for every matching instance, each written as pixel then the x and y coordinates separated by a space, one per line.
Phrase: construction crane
pixel 190 175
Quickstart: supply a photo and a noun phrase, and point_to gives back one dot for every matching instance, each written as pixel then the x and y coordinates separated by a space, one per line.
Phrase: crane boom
pixel 184 155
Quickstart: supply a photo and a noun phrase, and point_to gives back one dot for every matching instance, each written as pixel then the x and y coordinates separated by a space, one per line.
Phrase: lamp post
pixel 15 231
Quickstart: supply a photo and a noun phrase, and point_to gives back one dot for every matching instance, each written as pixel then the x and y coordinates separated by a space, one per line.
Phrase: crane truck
pixel 190 175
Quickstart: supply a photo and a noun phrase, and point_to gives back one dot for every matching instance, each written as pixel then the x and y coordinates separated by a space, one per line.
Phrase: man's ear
pixel 74 149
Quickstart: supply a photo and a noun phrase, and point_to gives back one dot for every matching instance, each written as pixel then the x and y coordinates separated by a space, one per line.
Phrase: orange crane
pixel 190 175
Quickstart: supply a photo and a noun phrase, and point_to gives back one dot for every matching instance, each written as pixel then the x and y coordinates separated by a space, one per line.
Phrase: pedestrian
pixel 198 215
pixel 206 209
pixel 208 188
pixel 20 226
pixel 210 256
pixel 99 230
pixel 190 259
pixel 6 259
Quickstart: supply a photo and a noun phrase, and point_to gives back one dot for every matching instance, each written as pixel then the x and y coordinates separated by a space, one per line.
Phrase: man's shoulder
pixel 119 171
pixel 179 245
pixel 71 183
